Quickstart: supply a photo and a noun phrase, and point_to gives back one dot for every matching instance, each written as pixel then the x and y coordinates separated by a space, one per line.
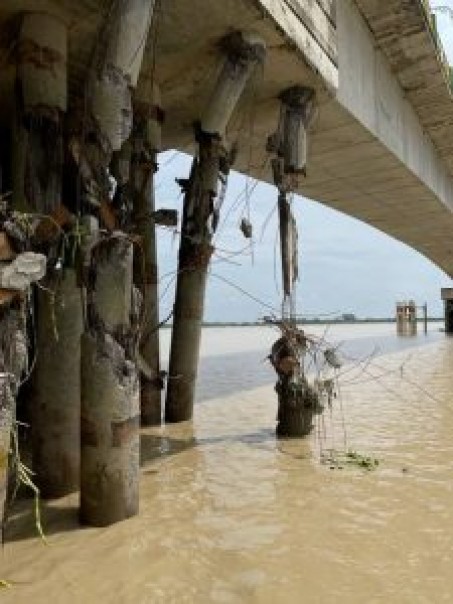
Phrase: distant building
pixel 348 317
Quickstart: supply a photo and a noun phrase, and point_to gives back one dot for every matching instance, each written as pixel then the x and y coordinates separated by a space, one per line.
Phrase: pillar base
pixel 298 403
pixel 151 404
pixel 110 459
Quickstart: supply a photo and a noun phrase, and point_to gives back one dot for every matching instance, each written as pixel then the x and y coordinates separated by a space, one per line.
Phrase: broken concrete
pixel 110 389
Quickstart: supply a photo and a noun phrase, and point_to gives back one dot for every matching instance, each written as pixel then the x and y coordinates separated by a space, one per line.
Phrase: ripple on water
pixel 228 514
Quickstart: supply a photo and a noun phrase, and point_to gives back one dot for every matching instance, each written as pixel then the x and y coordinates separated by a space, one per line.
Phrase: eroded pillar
pixel 41 102
pixel 56 404
pixel 199 219
pixel 110 458
pixel 298 402
pixel 13 354
pixel 146 143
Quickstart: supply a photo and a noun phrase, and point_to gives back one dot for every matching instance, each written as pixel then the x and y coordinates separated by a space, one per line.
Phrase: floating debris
pixel 338 460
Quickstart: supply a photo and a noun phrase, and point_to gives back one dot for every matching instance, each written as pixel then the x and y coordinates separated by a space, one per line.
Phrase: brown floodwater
pixel 229 515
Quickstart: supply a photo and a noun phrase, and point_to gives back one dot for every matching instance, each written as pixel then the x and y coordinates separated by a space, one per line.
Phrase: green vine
pixel 338 460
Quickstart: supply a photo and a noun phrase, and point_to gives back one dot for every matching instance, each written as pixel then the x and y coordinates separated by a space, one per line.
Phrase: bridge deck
pixel 371 154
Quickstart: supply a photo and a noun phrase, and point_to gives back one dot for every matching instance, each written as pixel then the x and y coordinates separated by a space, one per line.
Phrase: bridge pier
pixel 56 403
pixel 110 389
pixel 13 360
pixel 146 143
pixel 200 217
pixel 110 459
pixel 297 400
pixel 447 297
pixel 38 152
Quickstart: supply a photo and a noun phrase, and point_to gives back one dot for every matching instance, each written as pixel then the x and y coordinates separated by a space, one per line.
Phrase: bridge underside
pixel 369 156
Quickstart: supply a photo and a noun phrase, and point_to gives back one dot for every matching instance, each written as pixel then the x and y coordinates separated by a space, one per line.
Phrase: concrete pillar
pixel 111 103
pixel 146 144
pixel 13 355
pixel 298 402
pixel 40 103
pixel 7 413
pixel 447 297
pixel 56 403
pixel 244 52
pixel 110 459
pixel 449 316
pixel 110 385
pixel 194 256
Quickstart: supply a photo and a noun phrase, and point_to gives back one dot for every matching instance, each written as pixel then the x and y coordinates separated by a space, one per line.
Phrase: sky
pixel 345 266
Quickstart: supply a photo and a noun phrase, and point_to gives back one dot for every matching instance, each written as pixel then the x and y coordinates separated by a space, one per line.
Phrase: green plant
pixel 338 460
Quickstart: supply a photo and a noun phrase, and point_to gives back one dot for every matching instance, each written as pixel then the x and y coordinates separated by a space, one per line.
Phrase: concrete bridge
pixel 84 87
pixel 380 146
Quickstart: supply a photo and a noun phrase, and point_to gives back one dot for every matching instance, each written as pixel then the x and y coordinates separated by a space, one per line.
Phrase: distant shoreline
pixel 311 322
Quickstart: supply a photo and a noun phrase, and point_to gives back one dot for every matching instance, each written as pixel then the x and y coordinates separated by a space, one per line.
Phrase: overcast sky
pixel 345 265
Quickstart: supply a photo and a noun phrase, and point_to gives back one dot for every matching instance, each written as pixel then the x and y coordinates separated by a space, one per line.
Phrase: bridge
pixel 380 148
pixel 98 87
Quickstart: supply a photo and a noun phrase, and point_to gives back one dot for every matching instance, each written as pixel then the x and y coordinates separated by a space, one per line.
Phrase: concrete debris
pixel 27 268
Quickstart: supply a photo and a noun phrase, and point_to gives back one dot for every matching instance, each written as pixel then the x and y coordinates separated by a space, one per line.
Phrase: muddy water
pixel 229 515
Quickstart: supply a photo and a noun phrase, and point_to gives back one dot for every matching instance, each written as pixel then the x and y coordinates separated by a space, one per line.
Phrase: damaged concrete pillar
pixel 146 144
pixel 40 106
pixel 7 412
pixel 110 459
pixel 200 217
pixel 56 406
pixel 41 100
pixel 194 255
pixel 298 402
pixel 17 272
pixel 13 358
pixel 111 103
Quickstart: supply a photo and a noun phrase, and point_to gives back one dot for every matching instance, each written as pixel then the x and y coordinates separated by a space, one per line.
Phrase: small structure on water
pixel 406 318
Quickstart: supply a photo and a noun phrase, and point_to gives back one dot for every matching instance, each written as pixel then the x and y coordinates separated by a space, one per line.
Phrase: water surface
pixel 230 515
